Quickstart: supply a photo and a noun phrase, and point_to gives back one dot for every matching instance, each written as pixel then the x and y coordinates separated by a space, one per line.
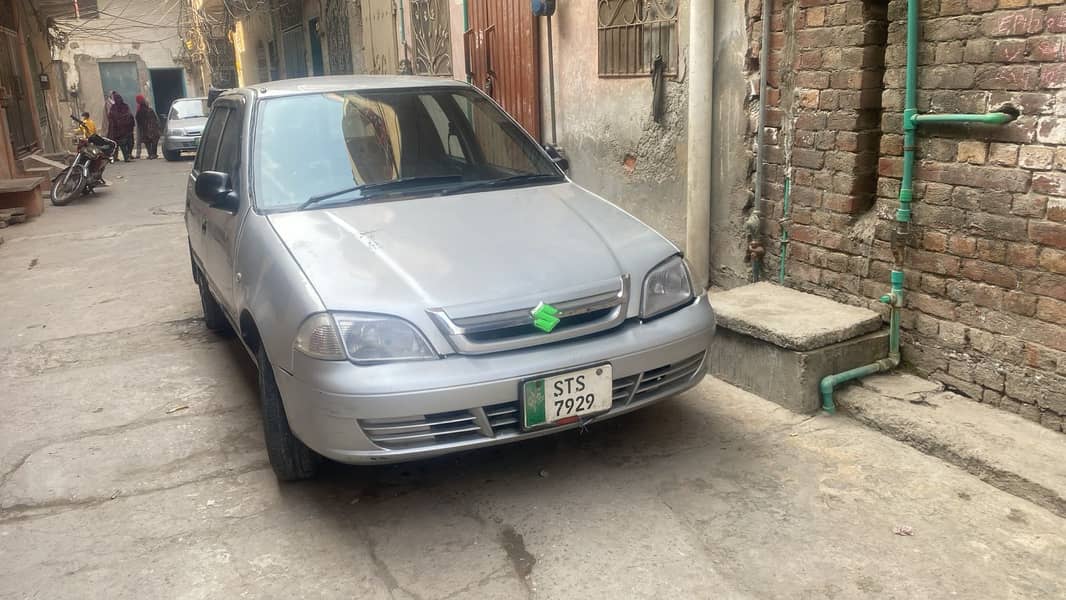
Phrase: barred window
pixel 633 34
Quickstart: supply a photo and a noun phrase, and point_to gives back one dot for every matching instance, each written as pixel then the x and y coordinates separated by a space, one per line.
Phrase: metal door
pixel 433 42
pixel 121 77
pixel 292 44
pixel 338 39
pixel 503 60
pixel 379 37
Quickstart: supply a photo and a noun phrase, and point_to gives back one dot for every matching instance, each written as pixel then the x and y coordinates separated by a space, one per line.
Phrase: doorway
pixel 121 77
pixel 317 65
pixel 167 86
pixel 502 58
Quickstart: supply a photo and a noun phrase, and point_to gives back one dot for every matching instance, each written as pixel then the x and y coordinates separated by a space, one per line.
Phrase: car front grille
pixel 496 420
pixel 598 307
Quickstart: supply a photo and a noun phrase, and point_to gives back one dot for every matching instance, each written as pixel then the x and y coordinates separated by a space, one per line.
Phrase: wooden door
pixel 379 37
pixel 502 57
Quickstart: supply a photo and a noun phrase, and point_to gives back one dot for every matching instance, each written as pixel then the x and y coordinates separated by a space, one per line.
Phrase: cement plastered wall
pixel 735 106
pixel 256 29
pixel 141 31
pixel 605 125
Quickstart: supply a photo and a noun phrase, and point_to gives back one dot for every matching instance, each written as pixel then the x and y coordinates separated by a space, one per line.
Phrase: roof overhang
pixel 65 9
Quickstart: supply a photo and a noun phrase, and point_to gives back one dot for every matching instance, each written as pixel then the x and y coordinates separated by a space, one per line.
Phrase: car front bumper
pixel 181 143
pixel 404 411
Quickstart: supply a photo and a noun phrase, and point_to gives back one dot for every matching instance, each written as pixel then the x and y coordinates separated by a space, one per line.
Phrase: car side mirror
pixel 557 156
pixel 215 189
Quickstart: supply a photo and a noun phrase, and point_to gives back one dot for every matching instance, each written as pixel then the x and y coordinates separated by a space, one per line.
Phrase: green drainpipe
pixel 911 120
pixel 784 234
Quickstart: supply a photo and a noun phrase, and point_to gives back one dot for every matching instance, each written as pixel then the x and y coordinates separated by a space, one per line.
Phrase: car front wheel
pixel 290 458
pixel 214 318
pixel 171 156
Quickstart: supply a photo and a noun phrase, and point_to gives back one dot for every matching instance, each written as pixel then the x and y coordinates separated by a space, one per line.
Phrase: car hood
pixel 493 250
pixel 193 123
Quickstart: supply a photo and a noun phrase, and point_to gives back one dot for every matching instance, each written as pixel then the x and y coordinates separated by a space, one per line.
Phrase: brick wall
pixel 985 262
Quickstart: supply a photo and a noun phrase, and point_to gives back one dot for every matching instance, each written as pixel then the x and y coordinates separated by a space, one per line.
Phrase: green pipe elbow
pixel 992 118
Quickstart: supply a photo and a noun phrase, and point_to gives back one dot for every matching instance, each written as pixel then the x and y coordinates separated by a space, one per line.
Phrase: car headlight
pixel 362 338
pixel 177 132
pixel 666 286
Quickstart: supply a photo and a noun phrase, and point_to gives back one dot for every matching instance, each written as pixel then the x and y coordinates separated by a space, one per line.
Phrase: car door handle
pixel 203 225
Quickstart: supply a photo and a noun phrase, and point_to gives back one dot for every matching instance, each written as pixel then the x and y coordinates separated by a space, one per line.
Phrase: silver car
pixel 414 275
pixel 184 126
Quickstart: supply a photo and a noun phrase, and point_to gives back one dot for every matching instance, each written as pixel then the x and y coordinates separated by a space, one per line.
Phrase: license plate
pixel 566 397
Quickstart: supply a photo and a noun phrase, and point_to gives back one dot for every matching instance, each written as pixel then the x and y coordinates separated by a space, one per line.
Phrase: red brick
pixel 1048 233
pixel 992 251
pixel 1036 157
pixel 996 178
pixel 989 273
pixel 1054 261
pixel 1029 205
pixel 1051 183
pixel 1022 255
pixel 890 166
pixel 1016 23
pixel 810 121
pixel 813 159
pixel 812 79
pixel 1053 76
pixel 1051 310
pixel 1056 19
pixel 962 245
pixel 943 264
pixel 1045 48
pixel 934 241
pixel 844 203
pixel 1013 77
pixel 1044 284
pixel 979 6
pixel 929 305
pixel 1008 51
pixel 1056 210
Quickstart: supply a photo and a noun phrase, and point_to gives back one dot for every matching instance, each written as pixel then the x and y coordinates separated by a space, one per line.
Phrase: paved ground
pixel 106 490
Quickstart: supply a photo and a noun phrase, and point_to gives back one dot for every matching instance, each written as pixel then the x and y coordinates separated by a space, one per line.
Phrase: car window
pixel 228 158
pixel 316 144
pixel 446 129
pixel 205 157
pixel 188 108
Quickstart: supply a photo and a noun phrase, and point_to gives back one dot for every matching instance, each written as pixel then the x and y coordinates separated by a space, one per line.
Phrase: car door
pixel 223 223
pixel 195 208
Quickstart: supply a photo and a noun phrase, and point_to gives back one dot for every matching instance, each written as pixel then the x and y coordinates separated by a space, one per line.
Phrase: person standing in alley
pixel 120 123
pixel 148 130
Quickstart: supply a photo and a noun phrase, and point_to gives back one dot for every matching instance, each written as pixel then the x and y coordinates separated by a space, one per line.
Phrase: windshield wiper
pixel 503 181
pixel 369 190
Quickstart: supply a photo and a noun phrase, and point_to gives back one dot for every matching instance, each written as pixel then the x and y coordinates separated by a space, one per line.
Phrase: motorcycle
pixel 86 171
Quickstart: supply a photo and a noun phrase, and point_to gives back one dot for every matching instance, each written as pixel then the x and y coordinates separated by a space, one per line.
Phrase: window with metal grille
pixel 634 34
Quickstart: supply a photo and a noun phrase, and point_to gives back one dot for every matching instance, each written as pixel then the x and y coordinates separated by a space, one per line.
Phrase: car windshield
pixel 188 109
pixel 323 149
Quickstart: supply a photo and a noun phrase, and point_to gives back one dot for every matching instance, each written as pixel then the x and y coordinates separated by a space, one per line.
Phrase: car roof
pixel 342 83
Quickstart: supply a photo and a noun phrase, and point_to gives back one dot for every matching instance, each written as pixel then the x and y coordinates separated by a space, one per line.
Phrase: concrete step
pixel 1006 451
pixel 778 343
pixel 43 171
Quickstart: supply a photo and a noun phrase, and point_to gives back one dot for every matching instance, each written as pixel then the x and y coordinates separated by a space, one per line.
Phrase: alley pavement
pixel 132 466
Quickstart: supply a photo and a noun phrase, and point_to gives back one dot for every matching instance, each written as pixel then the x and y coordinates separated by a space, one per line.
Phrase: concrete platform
pixel 1006 451
pixel 778 343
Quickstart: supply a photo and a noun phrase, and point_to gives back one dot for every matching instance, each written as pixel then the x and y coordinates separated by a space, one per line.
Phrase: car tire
pixel 214 318
pixel 290 458
pixel 171 156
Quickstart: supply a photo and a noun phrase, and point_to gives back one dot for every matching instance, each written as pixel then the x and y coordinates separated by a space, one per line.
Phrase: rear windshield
pixel 316 144
pixel 188 109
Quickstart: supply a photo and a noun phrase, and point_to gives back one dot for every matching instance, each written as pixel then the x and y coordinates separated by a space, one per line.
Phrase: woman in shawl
pixel 120 123
pixel 147 127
